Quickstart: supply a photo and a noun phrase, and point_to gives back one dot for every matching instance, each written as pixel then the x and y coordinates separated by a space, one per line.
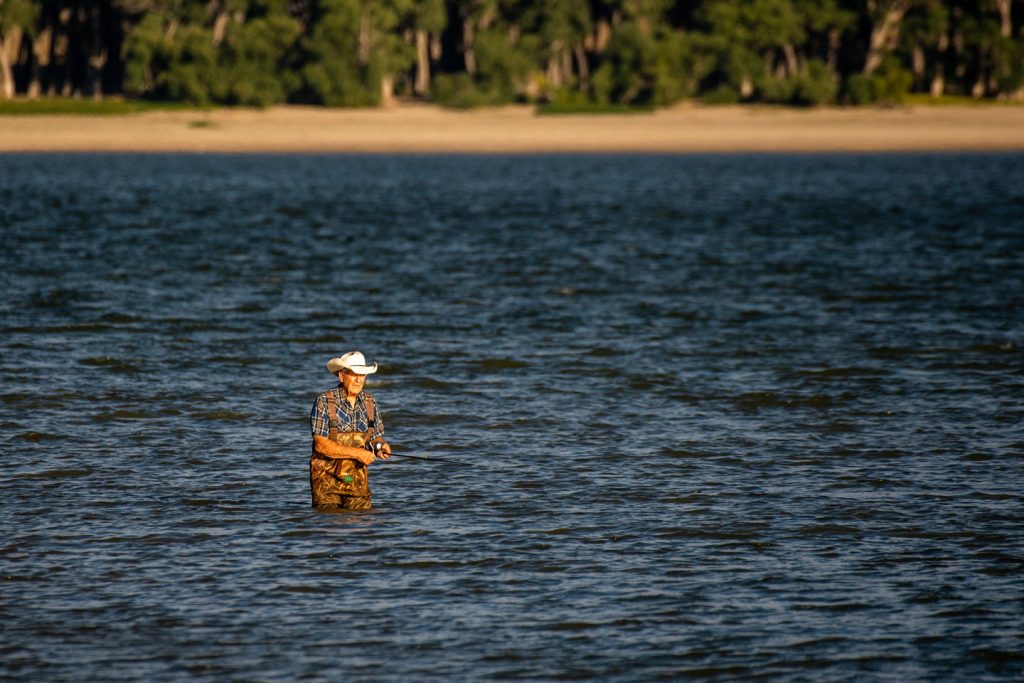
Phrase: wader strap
pixel 368 404
pixel 332 416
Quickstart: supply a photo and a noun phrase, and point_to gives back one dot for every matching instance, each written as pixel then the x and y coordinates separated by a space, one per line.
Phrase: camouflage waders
pixel 341 482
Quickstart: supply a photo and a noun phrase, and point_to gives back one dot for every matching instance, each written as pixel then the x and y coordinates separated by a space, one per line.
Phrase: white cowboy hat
pixel 353 361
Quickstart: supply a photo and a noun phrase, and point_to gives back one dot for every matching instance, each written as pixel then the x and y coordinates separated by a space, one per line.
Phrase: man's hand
pixel 381 449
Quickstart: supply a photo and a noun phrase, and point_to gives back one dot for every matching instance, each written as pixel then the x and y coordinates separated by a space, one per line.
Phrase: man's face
pixel 352 382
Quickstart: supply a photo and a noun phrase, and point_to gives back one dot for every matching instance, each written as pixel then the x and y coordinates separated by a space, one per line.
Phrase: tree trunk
pixel 422 63
pixel 387 90
pixel 220 26
pixel 792 62
pixel 554 70
pixel 365 37
pixel 776 68
pixel 40 62
pixel 959 44
pixel 488 16
pixel 97 55
pixel 1005 20
pixel 938 86
pixel 56 38
pixel 467 46
pixel 9 46
pixel 584 69
pixel 833 49
pixel 884 31
pixel 918 66
pixel 60 60
pixel 602 35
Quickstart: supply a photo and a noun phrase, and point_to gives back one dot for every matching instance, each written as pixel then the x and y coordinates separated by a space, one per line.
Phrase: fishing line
pixel 423 457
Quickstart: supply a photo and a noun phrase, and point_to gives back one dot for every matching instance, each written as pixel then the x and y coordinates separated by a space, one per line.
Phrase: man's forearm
pixel 329 448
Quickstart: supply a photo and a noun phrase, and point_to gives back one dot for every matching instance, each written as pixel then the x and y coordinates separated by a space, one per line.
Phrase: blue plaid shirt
pixel 350 418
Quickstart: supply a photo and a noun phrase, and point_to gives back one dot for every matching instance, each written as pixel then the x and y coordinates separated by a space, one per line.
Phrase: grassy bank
pixel 590 108
pixel 116 106
pixel 924 100
pixel 76 105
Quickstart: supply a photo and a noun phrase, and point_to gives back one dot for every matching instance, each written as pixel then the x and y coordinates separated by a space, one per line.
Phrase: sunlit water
pixel 735 417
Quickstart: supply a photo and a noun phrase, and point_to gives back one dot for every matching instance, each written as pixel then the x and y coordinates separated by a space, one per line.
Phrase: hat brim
pixel 335 366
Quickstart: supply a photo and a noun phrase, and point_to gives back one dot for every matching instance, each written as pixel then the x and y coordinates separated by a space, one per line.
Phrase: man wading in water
pixel 348 435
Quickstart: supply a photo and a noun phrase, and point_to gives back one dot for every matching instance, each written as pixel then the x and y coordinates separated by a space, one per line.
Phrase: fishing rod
pixel 423 457
pixel 378 446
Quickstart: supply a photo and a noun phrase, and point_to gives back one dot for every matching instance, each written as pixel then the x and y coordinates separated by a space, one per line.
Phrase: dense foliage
pixel 572 53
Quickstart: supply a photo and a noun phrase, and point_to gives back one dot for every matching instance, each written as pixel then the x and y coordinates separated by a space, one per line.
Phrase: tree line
pixel 483 52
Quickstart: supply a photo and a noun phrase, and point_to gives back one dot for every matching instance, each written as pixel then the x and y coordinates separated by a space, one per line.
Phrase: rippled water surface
pixel 730 417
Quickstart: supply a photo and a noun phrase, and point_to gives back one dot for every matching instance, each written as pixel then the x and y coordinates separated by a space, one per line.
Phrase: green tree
pixel 993 59
pixel 755 46
pixel 17 17
pixel 473 52
pixel 146 54
pixel 475 15
pixel 562 27
pixel 888 84
pixel 174 52
pixel 643 68
pixel 885 18
pixel 171 53
pixel 925 37
pixel 254 57
pixel 191 72
pixel 826 23
pixel 429 20
pixel 336 69
pixel 354 53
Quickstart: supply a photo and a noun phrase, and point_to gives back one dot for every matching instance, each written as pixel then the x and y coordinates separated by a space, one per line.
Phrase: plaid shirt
pixel 350 418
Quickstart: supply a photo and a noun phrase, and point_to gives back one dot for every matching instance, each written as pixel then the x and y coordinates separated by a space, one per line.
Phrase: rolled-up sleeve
pixel 319 421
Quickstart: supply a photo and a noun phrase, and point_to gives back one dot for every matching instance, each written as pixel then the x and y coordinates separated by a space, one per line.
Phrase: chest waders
pixel 342 482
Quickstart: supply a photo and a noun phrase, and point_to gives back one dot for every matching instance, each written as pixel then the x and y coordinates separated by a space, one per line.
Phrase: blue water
pixel 713 417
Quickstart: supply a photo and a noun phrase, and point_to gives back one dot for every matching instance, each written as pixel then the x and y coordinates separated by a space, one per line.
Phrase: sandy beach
pixel 423 128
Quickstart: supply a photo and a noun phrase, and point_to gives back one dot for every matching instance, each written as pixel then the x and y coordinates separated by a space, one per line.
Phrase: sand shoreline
pixel 414 128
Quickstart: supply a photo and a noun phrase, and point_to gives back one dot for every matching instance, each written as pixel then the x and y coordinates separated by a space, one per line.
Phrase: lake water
pixel 712 417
